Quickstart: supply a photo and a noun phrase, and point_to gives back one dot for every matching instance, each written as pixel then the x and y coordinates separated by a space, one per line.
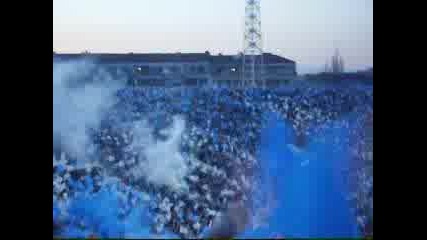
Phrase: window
pixel 159 82
pixel 190 82
pixel 160 70
pixel 174 69
pixel 203 81
pixel 143 70
pixel 201 69
pixel 154 70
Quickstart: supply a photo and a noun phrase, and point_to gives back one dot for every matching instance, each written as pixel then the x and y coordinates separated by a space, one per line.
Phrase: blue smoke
pixel 106 214
pixel 309 191
pixel 307 187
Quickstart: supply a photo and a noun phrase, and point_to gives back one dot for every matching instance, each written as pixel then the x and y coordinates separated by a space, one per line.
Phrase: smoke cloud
pixel 79 104
pixel 161 162
pixel 82 94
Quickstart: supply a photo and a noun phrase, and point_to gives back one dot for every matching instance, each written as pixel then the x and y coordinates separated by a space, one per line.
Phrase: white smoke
pixel 161 161
pixel 78 104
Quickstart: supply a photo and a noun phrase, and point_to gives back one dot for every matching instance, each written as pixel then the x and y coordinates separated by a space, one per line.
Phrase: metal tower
pixel 252 61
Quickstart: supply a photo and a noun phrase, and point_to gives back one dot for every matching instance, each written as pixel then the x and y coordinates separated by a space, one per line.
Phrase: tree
pixel 337 63
pixel 326 69
pixel 341 64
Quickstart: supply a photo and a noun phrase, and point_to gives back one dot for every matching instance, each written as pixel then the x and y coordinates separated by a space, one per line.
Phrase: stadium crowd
pixel 220 143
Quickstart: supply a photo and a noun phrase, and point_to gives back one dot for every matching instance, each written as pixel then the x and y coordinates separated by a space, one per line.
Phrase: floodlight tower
pixel 252 60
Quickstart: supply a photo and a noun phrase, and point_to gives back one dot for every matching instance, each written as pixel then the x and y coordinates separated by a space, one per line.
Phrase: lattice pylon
pixel 252 60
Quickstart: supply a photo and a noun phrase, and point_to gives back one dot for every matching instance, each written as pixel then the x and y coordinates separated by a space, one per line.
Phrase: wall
pixel 173 73
pixel 222 73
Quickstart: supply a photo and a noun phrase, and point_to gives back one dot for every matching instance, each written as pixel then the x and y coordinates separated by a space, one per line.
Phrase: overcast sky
pixel 306 31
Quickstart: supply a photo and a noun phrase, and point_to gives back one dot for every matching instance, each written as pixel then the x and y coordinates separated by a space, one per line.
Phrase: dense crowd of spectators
pixel 220 141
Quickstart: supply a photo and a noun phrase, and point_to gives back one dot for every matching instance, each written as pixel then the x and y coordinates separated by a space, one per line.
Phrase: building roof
pixel 165 57
pixel 225 59
pixel 268 58
pixel 136 57
pixel 273 59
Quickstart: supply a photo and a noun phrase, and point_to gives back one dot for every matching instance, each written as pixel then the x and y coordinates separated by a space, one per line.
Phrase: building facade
pixel 186 69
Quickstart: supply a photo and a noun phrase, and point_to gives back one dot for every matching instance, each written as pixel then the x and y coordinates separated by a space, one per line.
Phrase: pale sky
pixel 306 31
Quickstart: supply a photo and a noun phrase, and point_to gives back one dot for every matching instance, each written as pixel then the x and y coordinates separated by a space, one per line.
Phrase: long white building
pixel 187 69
